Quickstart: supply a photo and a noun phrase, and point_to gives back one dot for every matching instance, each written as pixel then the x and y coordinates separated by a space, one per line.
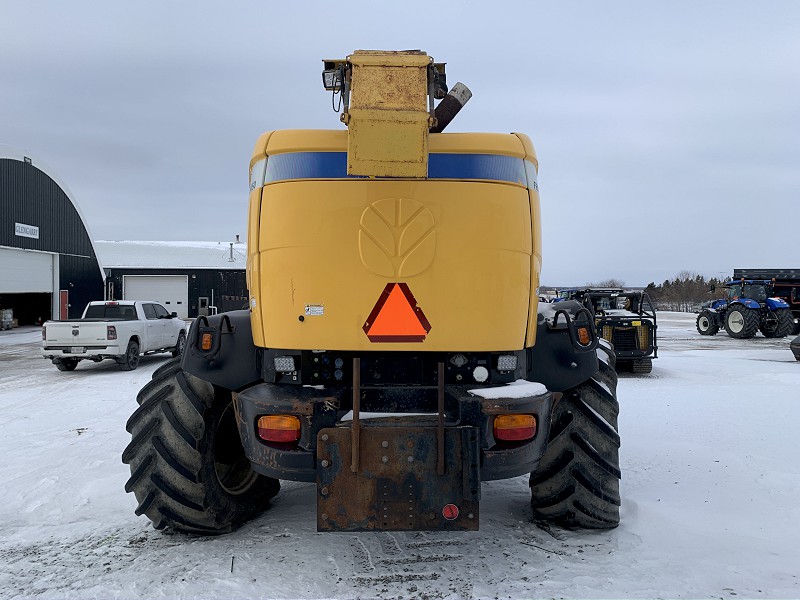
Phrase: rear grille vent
pixel 623 338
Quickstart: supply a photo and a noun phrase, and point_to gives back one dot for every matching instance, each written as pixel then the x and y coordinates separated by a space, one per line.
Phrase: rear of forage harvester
pixel 392 269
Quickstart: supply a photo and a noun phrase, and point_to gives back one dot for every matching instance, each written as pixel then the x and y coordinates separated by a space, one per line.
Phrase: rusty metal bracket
pixel 440 421
pixel 395 488
pixel 355 451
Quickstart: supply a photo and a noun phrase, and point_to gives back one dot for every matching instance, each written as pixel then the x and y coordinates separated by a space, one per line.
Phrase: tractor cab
pixel 756 290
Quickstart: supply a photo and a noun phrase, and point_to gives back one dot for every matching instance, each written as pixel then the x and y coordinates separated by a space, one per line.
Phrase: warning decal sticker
pixel 396 317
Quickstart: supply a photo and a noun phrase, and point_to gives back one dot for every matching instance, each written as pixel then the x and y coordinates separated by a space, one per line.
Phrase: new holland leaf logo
pixel 397 238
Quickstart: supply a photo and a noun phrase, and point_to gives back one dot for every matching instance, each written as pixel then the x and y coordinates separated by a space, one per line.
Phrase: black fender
pixel 558 360
pixel 232 361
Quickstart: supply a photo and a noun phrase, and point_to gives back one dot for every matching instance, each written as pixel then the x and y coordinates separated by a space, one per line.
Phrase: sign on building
pixel 28 231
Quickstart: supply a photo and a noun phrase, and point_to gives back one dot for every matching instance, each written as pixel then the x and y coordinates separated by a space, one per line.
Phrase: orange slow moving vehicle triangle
pixel 396 317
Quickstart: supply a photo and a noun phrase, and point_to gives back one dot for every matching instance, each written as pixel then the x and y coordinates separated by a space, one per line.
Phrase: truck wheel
pixel 66 364
pixel 180 345
pixel 188 468
pixel 741 322
pixel 707 324
pixel 577 482
pixel 779 325
pixel 643 365
pixel 130 360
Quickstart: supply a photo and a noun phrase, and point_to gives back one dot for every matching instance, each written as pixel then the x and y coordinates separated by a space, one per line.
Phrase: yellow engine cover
pixel 323 251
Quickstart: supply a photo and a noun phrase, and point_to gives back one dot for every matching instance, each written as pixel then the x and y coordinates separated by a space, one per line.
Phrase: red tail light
pixel 111 332
pixel 514 428
pixel 44 333
pixel 279 428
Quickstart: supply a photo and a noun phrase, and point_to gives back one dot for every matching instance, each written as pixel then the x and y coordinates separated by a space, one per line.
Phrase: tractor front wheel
pixel 188 468
pixel 707 323
pixel 741 322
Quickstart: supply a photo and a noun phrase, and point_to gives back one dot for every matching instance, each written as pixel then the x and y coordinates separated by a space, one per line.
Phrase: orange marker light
pixel 583 336
pixel 205 341
pixel 514 428
pixel 279 428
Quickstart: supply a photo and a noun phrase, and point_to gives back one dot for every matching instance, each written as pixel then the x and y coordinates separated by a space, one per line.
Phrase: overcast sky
pixel 668 133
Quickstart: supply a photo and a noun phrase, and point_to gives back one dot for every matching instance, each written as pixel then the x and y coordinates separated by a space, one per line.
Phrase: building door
pixel 171 291
pixel 63 304
pixel 27 284
pixel 202 306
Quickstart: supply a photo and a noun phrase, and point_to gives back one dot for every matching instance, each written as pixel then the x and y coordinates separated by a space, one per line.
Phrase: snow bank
pixel 710 484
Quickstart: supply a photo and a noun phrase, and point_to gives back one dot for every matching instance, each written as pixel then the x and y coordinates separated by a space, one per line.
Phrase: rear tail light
pixel 111 332
pixel 44 333
pixel 514 428
pixel 279 428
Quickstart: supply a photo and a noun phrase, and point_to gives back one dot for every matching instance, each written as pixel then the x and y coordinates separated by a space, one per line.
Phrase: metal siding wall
pixel 223 282
pixel 81 277
pixel 29 196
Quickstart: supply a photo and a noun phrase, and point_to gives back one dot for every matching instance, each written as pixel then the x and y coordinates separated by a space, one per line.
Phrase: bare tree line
pixel 685 293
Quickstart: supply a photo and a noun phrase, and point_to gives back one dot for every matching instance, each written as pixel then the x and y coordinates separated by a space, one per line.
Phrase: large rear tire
pixel 706 324
pixel 779 324
pixel 188 468
pixel 741 322
pixel 577 482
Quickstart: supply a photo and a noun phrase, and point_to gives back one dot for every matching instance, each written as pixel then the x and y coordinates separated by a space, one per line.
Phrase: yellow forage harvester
pixel 393 351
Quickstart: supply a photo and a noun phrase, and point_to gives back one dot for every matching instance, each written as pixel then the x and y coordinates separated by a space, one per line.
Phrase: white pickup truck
pixel 122 330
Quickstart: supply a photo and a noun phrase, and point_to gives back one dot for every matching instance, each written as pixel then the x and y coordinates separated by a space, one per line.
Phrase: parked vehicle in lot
pixel 795 347
pixel 122 330
pixel 785 284
pixel 750 306
pixel 627 319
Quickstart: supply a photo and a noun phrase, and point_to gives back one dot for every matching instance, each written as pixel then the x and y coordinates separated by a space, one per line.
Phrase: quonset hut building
pixel 50 268
pixel 48 265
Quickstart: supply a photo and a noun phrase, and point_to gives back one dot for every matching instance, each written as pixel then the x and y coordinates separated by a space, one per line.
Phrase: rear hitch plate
pixel 397 487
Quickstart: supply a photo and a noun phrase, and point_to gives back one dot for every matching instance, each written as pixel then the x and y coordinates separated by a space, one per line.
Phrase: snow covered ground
pixel 711 482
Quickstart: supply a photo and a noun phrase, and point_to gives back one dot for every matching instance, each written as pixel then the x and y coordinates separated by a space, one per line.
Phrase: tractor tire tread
pixel 172 461
pixel 577 482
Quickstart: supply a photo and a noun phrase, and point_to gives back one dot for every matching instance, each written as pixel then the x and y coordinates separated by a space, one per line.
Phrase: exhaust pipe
pixel 448 108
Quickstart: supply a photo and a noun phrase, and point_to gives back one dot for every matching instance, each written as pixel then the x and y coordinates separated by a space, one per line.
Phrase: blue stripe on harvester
pixel 333 165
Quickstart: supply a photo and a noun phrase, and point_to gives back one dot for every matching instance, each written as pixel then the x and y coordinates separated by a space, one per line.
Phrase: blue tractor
pixel 750 306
